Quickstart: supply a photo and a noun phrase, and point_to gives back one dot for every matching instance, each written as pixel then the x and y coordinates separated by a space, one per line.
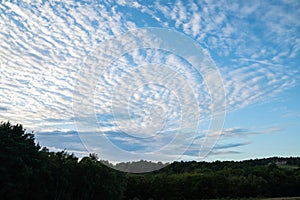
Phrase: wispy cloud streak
pixel 256 46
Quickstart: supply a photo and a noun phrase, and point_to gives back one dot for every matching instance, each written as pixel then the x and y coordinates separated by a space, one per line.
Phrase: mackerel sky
pixel 138 99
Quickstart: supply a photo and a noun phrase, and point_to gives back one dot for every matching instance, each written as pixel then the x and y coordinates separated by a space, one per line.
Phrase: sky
pixel 158 80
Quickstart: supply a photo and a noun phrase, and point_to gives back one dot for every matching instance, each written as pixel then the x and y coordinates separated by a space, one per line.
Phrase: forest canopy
pixel 28 171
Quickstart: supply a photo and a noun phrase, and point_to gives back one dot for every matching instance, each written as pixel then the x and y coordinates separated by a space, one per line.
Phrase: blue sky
pixel 161 80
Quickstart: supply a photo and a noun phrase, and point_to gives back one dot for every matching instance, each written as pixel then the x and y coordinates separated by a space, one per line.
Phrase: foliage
pixel 28 171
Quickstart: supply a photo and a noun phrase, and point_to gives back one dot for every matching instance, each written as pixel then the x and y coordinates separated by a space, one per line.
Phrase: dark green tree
pixel 19 158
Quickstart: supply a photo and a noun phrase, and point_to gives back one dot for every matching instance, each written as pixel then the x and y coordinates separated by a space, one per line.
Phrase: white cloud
pixel 42 49
pixel 41 53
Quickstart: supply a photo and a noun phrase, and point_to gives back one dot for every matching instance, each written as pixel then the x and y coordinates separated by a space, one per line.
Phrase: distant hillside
pixel 192 166
pixel 267 177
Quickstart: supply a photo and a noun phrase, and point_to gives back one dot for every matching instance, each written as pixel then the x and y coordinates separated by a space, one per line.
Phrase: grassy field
pixel 283 198
pixel 277 198
pixel 288 167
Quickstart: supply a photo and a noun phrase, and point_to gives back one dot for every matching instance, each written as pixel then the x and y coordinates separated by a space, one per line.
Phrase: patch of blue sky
pixel 141 19
pixel 255 45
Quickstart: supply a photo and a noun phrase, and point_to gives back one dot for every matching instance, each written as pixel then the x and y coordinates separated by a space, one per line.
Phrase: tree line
pixel 28 171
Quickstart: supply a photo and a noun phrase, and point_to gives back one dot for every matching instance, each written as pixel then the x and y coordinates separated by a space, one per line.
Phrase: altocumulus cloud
pixel 43 45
